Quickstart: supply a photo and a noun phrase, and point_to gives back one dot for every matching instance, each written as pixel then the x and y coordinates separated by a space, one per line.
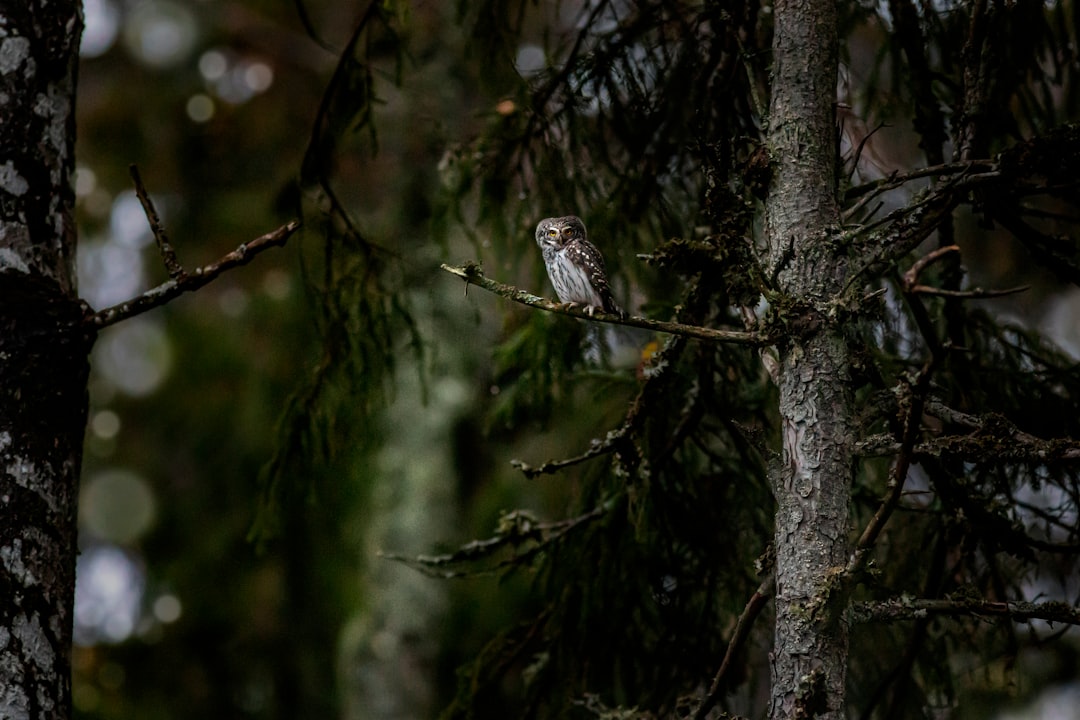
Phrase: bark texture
pixel 812 485
pixel 43 356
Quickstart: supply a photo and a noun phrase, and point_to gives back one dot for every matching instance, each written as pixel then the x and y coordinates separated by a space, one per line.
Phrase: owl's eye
pixel 552 232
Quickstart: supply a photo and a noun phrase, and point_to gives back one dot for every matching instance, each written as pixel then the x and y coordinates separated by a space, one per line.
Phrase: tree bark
pixel 43 356
pixel 812 485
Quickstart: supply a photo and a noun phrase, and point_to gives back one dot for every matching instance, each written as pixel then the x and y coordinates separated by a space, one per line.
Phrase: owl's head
pixel 557 231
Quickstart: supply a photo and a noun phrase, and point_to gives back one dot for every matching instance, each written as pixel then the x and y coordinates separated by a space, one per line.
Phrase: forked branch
pixel 180 280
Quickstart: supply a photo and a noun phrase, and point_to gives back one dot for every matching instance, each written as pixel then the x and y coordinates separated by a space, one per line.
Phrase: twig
pixel 168 254
pixel 746 619
pixel 474 275
pixel 910 280
pixel 911 277
pixel 898 472
pixel 896 180
pixel 186 282
pixel 974 293
pixel 913 609
pixel 516 529
pixel 596 448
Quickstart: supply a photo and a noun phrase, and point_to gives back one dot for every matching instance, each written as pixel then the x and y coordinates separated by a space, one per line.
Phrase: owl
pixel 575 266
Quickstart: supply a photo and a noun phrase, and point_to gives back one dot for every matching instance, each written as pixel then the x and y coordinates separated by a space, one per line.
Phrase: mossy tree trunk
pixel 813 482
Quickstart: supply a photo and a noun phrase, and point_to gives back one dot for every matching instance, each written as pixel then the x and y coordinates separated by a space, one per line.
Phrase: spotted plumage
pixel 575 266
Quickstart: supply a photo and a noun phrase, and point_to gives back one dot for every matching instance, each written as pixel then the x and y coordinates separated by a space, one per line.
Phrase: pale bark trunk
pixel 812 485
pixel 43 351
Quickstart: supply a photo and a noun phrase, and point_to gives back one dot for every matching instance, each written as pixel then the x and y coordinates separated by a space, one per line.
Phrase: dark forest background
pixel 257 449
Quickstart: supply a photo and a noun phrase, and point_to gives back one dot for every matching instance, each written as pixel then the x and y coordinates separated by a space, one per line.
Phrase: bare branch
pixel 187 282
pixel 914 609
pixel 974 293
pixel 976 170
pixel 168 254
pixel 746 619
pixel 473 274
pixel 916 401
pixel 596 448
pixel 911 277
pixel 992 426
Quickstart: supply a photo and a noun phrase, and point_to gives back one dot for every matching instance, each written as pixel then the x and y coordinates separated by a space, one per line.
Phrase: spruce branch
pixel 473 274
pixel 517 530
pixel 913 609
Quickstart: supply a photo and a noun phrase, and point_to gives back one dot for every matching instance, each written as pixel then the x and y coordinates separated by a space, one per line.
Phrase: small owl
pixel 575 266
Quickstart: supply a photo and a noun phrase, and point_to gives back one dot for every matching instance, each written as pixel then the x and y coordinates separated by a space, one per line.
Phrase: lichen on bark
pixel 43 357
pixel 812 483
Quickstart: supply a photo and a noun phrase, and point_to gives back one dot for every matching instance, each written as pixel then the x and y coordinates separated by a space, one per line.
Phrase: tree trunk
pixel 812 485
pixel 43 356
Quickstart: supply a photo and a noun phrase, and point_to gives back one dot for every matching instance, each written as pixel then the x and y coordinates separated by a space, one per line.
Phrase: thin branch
pixel 911 284
pixel 746 619
pixel 187 282
pixel 596 448
pixel 911 277
pixel 898 474
pixel 975 81
pixel 974 293
pixel 516 529
pixel 914 609
pixel 473 274
pixel 168 254
pixel 868 191
pixel 995 426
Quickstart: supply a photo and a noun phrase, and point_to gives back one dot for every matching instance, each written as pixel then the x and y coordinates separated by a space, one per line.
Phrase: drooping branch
pixel 753 608
pixel 189 281
pixel 913 609
pixel 473 274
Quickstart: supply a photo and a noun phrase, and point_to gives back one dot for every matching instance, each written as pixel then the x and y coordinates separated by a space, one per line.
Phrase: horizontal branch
pixel 188 281
pixel 896 180
pixel 915 609
pixel 473 274
pixel 993 439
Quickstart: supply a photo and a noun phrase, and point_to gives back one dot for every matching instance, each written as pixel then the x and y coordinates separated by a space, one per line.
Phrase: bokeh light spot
pixel 108 592
pixel 258 76
pixel 117 505
pixel 101 26
pixel 105 424
pixel 167 608
pixel 213 64
pixel 200 108
pixel 135 356
pixel 160 34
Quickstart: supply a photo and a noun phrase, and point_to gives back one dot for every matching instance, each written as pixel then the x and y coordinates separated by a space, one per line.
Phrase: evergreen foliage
pixel 630 549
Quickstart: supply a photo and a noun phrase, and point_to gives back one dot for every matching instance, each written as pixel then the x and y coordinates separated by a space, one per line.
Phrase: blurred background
pixel 180 612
